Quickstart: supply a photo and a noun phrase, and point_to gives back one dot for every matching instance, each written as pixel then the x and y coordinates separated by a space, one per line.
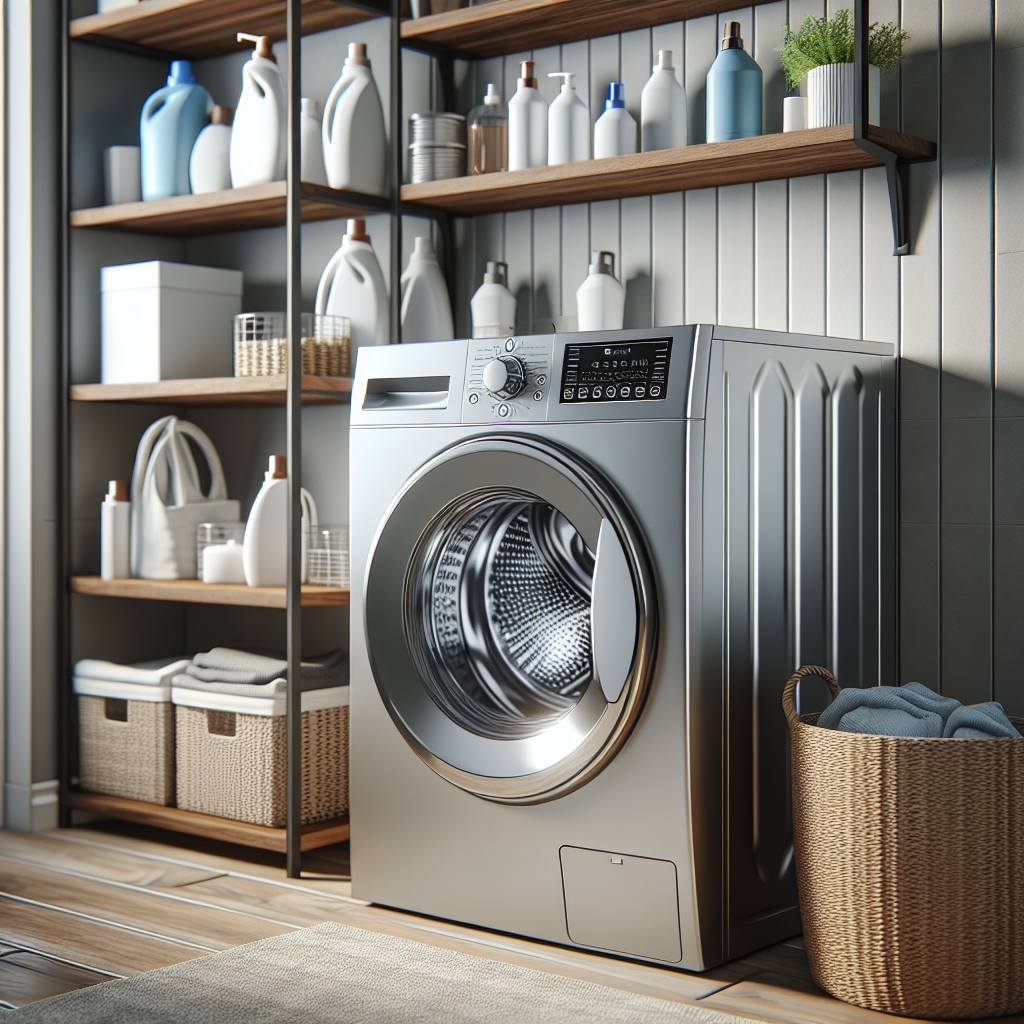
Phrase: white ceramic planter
pixel 830 95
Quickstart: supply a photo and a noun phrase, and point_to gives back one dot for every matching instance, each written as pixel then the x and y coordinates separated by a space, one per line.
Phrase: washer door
pixel 511 618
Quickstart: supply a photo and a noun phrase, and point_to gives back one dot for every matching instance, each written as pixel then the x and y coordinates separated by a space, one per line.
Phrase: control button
pixel 510 344
pixel 597 392
pixel 624 391
pixel 538 395
pixel 609 392
pixel 504 377
pixel 504 410
pixel 567 394
pixel 542 380
pixel 640 391
pixel 655 391
pixel 583 393
pixel 474 398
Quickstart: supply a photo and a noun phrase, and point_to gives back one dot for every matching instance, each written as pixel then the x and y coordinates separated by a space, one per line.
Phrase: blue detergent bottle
pixel 734 91
pixel 172 119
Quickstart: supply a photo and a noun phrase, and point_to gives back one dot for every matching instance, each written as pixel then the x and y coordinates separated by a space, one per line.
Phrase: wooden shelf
pixel 234 209
pixel 205 28
pixel 218 391
pixel 324 833
pixel 763 157
pixel 510 26
pixel 197 592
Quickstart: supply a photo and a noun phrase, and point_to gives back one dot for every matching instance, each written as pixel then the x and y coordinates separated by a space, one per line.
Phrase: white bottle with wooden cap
pixel 527 123
pixel 259 146
pixel 115 532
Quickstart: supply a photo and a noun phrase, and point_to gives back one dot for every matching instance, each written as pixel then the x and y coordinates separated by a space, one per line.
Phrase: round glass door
pixel 522 592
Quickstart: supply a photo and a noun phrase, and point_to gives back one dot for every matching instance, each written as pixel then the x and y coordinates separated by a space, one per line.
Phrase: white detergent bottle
pixel 259 148
pixel 265 547
pixel 568 124
pixel 615 130
pixel 209 167
pixel 527 123
pixel 493 307
pixel 355 144
pixel 426 307
pixel 352 285
pixel 115 532
pixel 662 108
pixel 601 299
pixel 312 162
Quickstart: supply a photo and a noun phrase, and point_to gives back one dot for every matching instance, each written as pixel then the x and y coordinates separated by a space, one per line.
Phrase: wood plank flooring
pixel 81 906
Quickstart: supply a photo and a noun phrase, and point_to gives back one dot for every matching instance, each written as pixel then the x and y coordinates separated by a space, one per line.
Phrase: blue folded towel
pixel 913 710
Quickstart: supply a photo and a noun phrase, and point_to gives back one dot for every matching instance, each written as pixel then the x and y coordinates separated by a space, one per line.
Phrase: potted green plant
pixel 822 50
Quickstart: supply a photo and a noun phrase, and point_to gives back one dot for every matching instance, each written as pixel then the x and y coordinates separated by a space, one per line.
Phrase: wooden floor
pixel 81 906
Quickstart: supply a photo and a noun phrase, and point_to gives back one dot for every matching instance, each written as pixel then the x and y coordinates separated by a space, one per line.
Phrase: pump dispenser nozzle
pixel 731 40
pixel 262 48
pixel 526 78
pixel 565 76
pixel 492 97
pixel 496 273
pixel 616 95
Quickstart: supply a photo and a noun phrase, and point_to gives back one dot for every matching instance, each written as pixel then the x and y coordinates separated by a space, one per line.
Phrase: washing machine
pixel 583 567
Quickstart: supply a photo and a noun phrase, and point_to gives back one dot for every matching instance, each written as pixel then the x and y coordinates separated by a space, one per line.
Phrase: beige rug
pixel 333 974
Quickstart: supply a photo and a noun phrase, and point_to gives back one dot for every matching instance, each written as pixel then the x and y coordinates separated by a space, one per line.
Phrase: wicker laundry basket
pixel 233 764
pixel 910 863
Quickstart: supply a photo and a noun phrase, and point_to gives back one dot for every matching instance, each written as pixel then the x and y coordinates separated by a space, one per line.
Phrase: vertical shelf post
pixel 293 706
pixel 395 117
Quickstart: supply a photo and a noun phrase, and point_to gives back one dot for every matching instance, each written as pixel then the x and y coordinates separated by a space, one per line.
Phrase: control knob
pixel 504 377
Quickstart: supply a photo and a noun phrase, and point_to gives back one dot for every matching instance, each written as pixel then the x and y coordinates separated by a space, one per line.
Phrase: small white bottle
pixel 493 307
pixel 259 148
pixel 115 532
pixel 662 108
pixel 312 162
pixel 615 130
pixel 601 299
pixel 209 167
pixel 568 124
pixel 527 123
pixel 426 307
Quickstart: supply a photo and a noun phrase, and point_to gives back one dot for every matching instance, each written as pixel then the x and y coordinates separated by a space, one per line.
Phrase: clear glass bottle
pixel 488 135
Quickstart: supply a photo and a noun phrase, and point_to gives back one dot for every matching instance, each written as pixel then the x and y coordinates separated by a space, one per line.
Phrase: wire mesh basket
pixel 261 345
pixel 327 556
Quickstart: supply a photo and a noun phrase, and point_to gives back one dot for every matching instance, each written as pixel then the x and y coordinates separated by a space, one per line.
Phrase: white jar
pixel 830 95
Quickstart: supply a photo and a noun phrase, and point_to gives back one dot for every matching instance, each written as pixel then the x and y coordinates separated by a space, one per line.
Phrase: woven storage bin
pixel 132 758
pixel 234 765
pixel 910 863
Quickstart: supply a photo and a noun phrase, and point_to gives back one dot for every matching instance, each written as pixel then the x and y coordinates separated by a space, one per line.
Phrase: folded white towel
pixel 151 673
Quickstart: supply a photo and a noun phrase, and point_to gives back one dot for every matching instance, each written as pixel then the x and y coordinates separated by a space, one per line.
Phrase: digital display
pixel 635 371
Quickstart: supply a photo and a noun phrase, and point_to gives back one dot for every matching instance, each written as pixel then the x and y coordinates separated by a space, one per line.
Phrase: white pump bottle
pixel 259 148
pixel 568 123
pixel 527 123
pixel 662 108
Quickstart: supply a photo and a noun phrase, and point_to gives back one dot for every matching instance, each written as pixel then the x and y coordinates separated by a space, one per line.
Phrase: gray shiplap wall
pixel 814 255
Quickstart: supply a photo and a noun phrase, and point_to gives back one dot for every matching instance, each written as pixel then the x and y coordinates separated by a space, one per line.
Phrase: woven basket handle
pixel 789 691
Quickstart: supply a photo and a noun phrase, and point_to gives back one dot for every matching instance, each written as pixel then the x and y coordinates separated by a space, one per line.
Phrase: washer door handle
pixel 613 616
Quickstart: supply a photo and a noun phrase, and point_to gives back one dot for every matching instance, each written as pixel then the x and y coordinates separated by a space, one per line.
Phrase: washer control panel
pixel 608 371
pixel 507 379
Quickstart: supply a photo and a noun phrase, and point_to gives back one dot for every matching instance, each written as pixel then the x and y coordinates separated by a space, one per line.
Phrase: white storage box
pixel 165 321
pixel 232 754
pixel 126 728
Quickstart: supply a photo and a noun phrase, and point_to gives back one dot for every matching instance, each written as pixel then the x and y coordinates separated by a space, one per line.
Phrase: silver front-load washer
pixel 583 567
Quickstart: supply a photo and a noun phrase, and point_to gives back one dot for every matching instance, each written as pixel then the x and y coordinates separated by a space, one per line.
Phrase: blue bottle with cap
pixel 615 129
pixel 172 119
pixel 733 91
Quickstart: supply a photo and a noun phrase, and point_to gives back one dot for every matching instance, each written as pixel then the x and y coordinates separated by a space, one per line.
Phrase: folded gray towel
pixel 912 710
pixel 246 669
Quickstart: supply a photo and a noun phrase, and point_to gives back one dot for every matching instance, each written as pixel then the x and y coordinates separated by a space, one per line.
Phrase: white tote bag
pixel 168 502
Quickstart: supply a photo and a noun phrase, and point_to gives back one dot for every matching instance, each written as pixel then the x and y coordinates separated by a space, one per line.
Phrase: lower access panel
pixel 620 903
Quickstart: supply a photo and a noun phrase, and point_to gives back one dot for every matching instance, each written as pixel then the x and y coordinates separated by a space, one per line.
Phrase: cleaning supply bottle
pixel 312 161
pixel 426 307
pixel 601 299
pixel 568 123
pixel 355 146
pixel 488 135
pixel 115 532
pixel 493 307
pixel 265 547
pixel 733 91
pixel 259 139
pixel 209 167
pixel 352 285
pixel 171 121
pixel 615 129
pixel 527 123
pixel 662 108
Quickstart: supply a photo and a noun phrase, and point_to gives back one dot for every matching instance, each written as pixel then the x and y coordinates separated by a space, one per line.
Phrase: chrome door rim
pixel 566 756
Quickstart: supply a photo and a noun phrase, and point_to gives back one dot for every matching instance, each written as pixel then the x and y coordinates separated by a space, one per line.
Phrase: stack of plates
pixel 437 147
